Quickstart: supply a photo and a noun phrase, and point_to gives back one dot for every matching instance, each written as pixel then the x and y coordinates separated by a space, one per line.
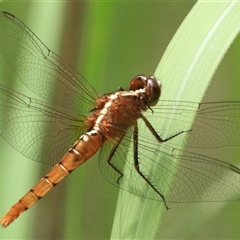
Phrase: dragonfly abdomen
pixel 84 148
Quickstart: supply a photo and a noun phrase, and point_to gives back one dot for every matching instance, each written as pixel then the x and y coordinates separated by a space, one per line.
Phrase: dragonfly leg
pixel 110 158
pixel 155 134
pixel 137 167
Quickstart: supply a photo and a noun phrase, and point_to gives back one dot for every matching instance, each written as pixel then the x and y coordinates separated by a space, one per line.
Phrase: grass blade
pixel 185 70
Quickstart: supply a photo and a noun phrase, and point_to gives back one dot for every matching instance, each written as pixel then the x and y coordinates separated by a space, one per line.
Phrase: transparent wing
pixel 196 177
pixel 40 69
pixel 36 130
pixel 216 124
pixel 31 126
pixel 203 179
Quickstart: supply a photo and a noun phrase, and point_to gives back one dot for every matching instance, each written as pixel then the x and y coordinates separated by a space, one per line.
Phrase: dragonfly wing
pixel 41 70
pixel 179 176
pixel 200 178
pixel 215 125
pixel 37 131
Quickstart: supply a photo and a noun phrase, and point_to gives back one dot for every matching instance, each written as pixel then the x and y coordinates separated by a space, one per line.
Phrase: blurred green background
pixel 108 43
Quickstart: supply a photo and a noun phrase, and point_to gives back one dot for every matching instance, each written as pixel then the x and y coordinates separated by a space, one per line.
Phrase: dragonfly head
pixel 151 86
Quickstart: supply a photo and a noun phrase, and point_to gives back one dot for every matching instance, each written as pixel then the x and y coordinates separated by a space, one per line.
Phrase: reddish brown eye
pixel 138 82
pixel 153 90
pixel 151 86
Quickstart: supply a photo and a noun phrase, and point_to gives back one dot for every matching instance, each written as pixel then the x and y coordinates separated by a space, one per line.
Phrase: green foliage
pixel 186 70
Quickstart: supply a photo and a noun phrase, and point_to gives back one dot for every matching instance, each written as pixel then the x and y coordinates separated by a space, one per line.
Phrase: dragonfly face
pixel 76 114
pixel 151 85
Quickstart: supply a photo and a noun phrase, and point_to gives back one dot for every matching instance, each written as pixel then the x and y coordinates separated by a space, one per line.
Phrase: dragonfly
pixel 69 122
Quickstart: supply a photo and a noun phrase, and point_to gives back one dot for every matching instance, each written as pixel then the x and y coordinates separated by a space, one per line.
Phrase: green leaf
pixel 185 71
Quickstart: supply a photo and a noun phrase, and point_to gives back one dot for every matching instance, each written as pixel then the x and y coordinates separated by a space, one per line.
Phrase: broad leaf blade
pixel 185 70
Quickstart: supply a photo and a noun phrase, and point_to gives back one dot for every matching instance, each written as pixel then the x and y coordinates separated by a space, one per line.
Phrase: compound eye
pixel 138 82
pixel 153 90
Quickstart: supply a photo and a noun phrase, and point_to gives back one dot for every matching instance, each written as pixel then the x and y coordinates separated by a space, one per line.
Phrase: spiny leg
pixel 136 164
pixel 110 156
pixel 155 134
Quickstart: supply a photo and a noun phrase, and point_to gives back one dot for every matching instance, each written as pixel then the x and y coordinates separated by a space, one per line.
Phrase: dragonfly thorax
pixel 116 112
